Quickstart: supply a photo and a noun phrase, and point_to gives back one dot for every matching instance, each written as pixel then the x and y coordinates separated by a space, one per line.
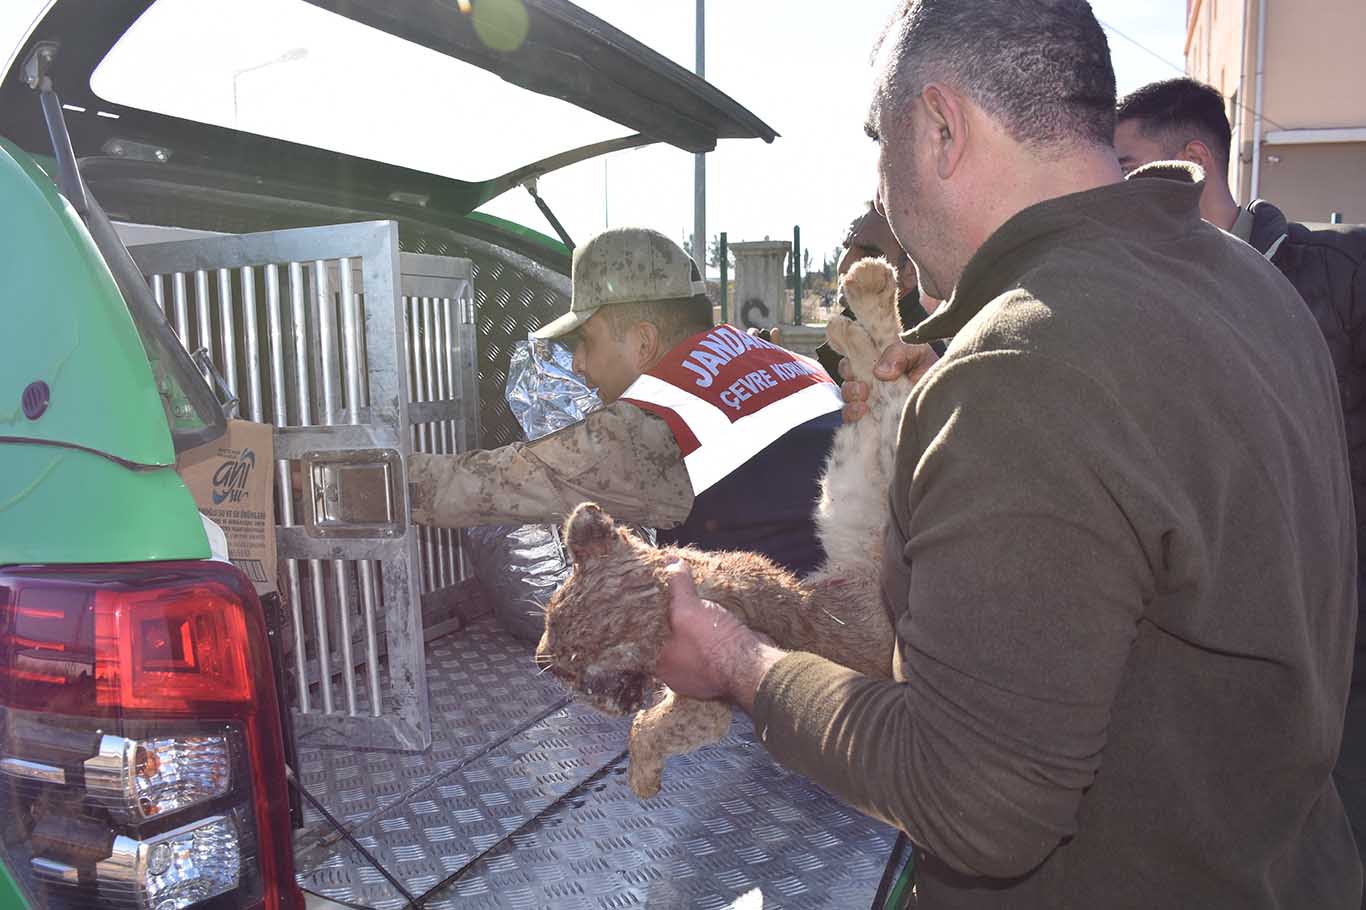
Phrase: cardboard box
pixel 231 480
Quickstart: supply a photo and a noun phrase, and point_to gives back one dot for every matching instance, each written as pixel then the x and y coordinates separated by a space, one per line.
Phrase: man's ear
pixel 646 343
pixel 1197 152
pixel 589 532
pixel 946 127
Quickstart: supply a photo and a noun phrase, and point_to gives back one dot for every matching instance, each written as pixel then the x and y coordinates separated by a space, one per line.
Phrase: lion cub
pixel 605 625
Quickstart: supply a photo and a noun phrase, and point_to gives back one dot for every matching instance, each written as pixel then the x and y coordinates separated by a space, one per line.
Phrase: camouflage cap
pixel 625 265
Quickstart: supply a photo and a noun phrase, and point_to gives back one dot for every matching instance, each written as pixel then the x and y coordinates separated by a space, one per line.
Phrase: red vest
pixel 728 395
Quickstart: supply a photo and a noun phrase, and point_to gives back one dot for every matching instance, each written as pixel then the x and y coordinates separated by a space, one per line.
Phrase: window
pixel 289 70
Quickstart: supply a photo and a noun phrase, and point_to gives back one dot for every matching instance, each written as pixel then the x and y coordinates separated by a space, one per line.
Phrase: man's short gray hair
pixel 1040 67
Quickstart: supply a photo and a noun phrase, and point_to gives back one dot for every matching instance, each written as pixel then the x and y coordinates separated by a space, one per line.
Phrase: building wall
pixel 1214 29
pixel 1312 79
pixel 1310 182
pixel 1313 63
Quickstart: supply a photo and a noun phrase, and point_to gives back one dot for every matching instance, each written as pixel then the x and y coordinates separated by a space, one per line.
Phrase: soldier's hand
pixel 899 359
pixel 422 488
pixel 773 335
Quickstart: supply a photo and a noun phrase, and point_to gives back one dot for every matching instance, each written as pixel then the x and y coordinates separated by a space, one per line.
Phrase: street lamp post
pixel 700 165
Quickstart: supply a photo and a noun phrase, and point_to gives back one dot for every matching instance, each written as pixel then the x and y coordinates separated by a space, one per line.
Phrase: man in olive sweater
pixel 1120 557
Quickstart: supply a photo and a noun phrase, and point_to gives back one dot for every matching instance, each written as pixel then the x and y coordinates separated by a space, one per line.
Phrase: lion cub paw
pixel 837 332
pixel 869 277
pixel 854 343
pixel 645 775
pixel 871 289
pixel 674 726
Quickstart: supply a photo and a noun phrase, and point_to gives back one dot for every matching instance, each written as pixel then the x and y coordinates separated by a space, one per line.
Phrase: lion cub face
pixel 604 626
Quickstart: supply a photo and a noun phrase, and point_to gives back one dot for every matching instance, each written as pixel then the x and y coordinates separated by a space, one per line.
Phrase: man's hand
pixel 900 359
pixel 710 654
pixel 772 335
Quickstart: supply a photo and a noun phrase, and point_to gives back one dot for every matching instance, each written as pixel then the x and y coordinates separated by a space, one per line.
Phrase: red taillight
pixel 171 650
pixel 141 757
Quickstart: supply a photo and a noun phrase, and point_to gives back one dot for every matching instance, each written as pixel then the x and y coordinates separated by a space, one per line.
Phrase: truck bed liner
pixel 522 802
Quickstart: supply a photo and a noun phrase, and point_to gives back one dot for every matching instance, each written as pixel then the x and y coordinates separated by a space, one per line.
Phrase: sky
pixel 802 66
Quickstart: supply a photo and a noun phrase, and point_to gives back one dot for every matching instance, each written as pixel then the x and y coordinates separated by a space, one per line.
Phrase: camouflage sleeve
pixel 621 457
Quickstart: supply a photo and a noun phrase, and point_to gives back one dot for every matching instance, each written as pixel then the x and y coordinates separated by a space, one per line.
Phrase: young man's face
pixel 872 236
pixel 608 364
pixel 1135 149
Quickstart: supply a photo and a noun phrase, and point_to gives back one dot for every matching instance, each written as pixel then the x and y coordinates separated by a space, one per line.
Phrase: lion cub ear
pixel 589 532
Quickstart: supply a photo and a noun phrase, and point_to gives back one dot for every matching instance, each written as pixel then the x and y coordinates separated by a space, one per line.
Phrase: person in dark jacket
pixel 1120 551
pixel 1184 119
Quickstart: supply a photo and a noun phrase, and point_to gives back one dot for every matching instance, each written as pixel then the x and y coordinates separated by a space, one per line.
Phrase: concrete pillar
pixel 760 300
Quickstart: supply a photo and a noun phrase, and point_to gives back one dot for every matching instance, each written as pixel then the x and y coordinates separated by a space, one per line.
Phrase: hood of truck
pixel 566 54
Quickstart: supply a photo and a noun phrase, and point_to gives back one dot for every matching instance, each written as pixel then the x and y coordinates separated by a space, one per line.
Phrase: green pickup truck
pixel 255 209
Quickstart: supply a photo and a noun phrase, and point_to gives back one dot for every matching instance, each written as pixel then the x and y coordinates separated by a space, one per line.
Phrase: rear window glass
pixel 288 70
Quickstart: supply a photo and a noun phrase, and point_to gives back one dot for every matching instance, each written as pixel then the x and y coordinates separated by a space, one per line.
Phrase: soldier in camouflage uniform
pixel 636 294
pixel 636 297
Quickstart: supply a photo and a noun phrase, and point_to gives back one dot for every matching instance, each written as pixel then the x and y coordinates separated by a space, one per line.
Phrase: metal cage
pixel 359 355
